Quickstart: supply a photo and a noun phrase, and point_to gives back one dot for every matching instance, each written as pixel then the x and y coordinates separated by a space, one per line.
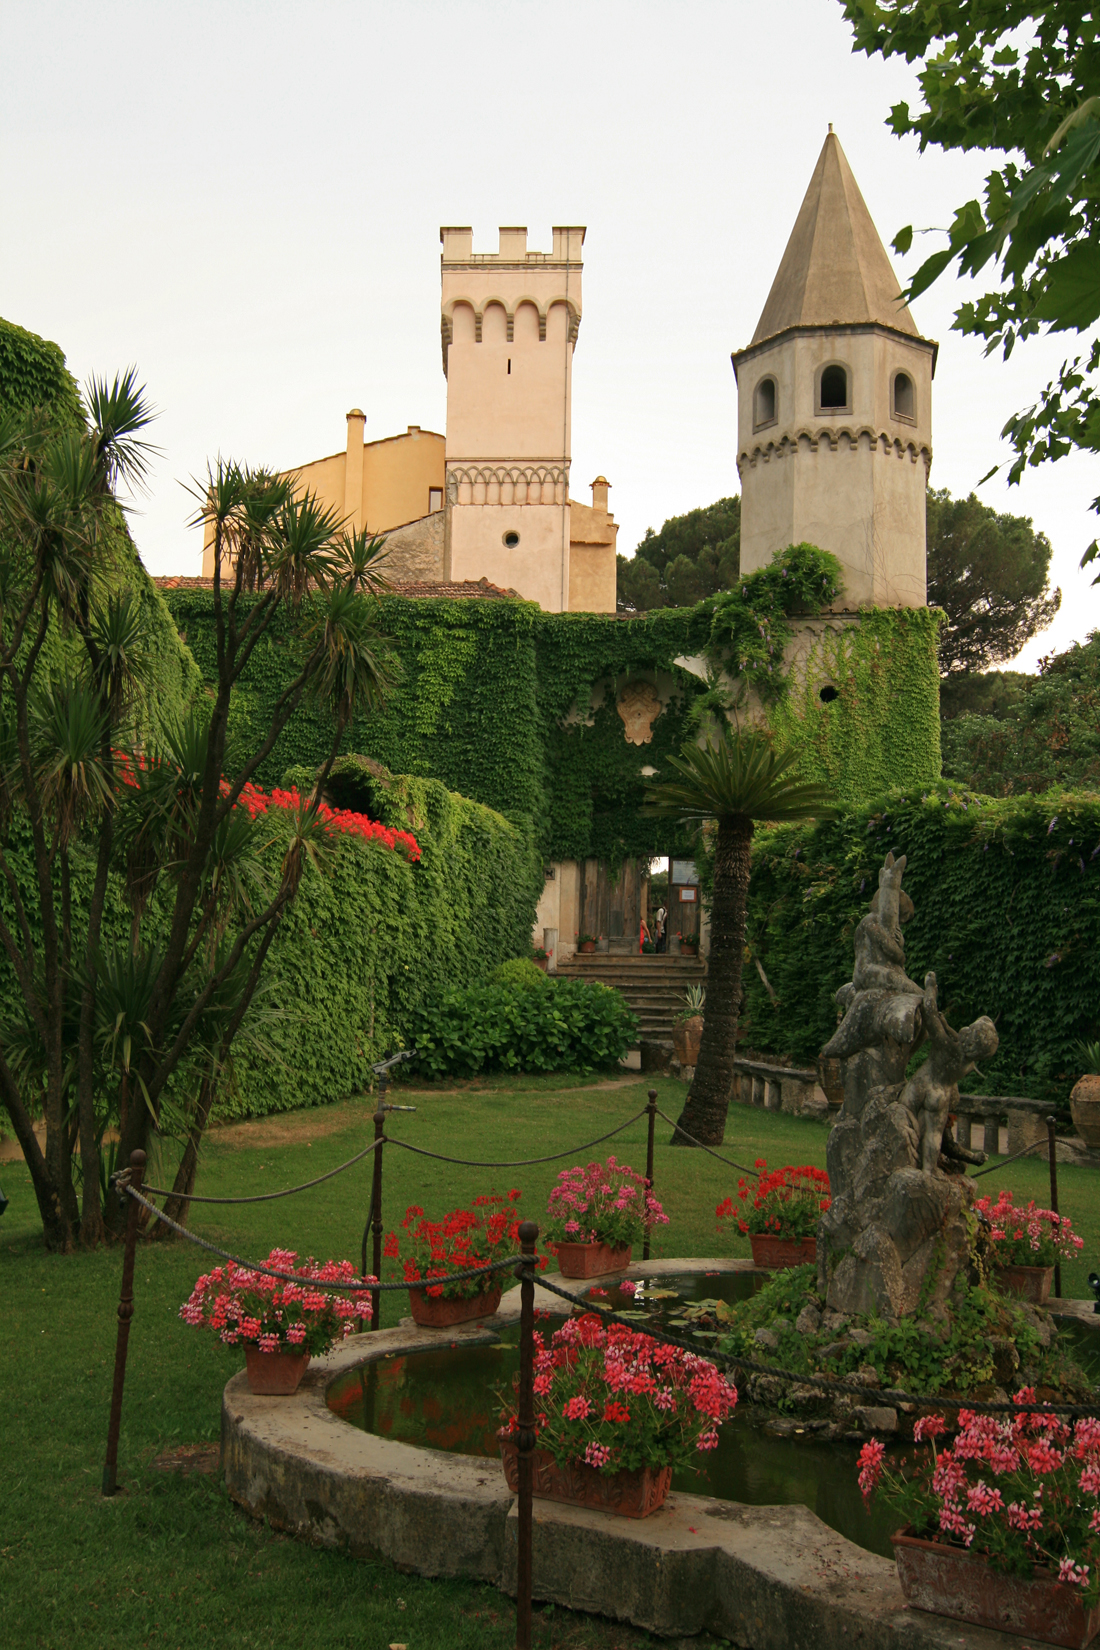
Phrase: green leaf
pixel 1071 294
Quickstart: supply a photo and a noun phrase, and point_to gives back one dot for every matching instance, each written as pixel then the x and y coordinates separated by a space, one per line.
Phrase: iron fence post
pixel 125 1313
pixel 651 1108
pixel 376 1216
pixel 1053 1155
pixel 525 1433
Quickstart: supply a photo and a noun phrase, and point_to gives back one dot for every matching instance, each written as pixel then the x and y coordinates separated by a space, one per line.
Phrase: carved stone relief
pixel 639 705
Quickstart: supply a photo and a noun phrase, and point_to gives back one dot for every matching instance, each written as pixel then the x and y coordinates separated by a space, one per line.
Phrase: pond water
pixel 445 1399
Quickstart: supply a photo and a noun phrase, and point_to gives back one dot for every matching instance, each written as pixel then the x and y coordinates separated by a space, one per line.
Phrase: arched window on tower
pixel 765 408
pixel 832 394
pixel 905 397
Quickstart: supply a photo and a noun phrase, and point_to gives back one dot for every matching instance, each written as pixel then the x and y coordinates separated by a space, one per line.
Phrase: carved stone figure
pixel 639 705
pixel 896 1233
pixel 932 1092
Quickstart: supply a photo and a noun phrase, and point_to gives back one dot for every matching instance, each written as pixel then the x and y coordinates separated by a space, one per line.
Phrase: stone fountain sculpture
pixel 897 1235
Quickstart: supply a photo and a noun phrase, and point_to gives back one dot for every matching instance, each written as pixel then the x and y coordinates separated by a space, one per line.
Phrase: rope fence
pixel 265 1197
pixel 369 1286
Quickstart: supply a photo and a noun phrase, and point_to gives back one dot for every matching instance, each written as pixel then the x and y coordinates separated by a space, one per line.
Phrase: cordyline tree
pixel 102 1028
pixel 734 779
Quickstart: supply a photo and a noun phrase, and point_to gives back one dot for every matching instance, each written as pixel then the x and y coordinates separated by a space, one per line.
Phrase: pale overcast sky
pixel 244 199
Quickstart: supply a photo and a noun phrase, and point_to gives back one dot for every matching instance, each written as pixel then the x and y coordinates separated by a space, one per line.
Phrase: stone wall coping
pixel 801 1073
pixel 978 1105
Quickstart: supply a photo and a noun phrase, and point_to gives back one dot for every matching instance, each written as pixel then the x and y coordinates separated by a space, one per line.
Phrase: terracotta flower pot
pixel 1084 1103
pixel 588 945
pixel 950 1581
pixel 441 1312
pixel 689 948
pixel 686 1037
pixel 775 1254
pixel 274 1374
pixel 1031 1283
pixel 630 1494
pixel 591 1260
pixel 540 962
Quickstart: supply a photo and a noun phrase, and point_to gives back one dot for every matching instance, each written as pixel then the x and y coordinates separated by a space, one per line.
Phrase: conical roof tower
pixel 835 269
pixel 834 403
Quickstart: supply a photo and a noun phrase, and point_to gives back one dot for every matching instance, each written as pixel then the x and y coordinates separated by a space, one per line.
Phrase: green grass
pixel 171 1563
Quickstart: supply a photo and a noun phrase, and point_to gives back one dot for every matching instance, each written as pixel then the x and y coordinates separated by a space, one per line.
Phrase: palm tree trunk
pixel 704 1113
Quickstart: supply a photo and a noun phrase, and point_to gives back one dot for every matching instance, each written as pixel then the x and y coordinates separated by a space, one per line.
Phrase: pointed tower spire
pixel 835 270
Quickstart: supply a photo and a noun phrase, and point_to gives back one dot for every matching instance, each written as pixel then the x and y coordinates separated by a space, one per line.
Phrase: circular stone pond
pixel 445 1399
pixel 768 1547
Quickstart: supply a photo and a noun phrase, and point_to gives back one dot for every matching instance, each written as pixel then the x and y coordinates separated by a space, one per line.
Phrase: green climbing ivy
pixel 33 375
pixel 519 709
pixel 1007 898
pixel 883 726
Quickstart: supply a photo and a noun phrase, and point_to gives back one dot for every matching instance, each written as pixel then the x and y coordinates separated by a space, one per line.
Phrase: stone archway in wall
pixel 611 903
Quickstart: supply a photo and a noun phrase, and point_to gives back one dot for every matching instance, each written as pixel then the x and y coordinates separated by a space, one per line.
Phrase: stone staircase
pixel 653 986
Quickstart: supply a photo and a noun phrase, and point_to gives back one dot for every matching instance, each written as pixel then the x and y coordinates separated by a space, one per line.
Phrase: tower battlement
pixel 458 248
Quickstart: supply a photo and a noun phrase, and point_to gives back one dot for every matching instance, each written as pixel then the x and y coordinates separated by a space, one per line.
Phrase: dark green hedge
pixel 1007 896
pixel 566 1025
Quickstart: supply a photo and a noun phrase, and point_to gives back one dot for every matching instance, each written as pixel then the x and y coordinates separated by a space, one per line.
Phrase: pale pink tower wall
pixel 509 323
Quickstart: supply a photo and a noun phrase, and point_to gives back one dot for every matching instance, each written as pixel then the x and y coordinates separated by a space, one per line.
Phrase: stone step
pixel 653 986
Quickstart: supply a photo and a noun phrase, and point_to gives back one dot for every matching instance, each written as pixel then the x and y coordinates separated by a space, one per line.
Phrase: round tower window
pixel 834 389
pixel 511 540
pixel 828 694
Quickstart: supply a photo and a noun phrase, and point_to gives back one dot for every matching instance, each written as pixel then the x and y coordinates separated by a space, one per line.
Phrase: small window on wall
pixel 905 397
pixel 833 390
pixel 435 499
pixel 766 404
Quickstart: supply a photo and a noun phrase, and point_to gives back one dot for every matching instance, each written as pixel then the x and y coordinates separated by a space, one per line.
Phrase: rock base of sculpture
pixel 897 1238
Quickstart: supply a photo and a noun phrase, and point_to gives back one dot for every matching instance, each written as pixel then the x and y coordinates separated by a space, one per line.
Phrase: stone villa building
pixel 491 499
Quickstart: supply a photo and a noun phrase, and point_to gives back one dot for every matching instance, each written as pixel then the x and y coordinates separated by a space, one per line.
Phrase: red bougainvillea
pixel 338 819
pixel 257 801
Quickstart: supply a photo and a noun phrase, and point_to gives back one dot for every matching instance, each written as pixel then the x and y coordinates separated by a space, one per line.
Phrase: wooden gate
pixel 611 902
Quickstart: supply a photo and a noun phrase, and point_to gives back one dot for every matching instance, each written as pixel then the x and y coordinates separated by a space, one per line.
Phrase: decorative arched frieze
pixel 835 438
pixel 492 482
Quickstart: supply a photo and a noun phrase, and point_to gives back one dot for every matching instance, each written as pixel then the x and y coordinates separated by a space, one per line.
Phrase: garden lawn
pixel 170 1563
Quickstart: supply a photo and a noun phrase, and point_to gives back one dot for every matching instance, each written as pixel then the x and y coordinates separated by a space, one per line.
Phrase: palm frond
pixel 736 773
pixel 117 412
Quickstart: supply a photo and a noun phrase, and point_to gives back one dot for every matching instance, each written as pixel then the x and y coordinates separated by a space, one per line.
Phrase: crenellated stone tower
pixel 834 401
pixel 510 320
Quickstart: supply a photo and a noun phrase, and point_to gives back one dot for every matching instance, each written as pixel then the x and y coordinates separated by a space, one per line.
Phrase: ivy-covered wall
pixel 369 940
pixel 374 938
pixel 1007 898
pixel 517 709
pixel 33 375
pixel 883 728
